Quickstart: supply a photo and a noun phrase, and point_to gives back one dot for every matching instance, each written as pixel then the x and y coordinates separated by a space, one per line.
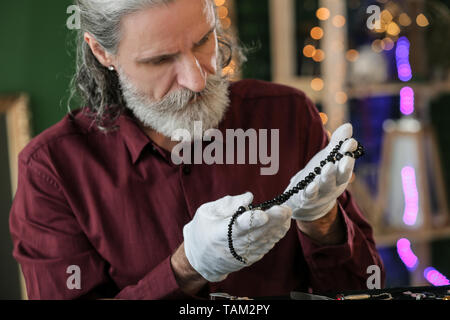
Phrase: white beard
pixel 174 111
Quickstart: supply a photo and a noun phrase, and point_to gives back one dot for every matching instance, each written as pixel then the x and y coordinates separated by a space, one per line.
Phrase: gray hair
pixel 98 87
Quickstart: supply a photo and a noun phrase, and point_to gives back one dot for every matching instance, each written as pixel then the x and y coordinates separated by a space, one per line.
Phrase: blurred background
pixel 382 65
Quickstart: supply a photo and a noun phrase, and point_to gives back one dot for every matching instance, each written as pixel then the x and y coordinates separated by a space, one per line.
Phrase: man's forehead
pixel 164 25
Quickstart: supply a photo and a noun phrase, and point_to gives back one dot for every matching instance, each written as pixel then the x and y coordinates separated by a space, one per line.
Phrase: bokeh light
pixel 422 20
pixel 316 33
pixel 323 14
pixel 406 254
pixel 339 21
pixel 317 84
pixel 319 55
pixel 309 51
pixel 352 55
pixel 407 101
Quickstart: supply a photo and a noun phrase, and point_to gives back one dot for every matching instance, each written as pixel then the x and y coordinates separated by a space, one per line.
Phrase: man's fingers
pixel 312 190
pixel 349 146
pixel 246 222
pixel 278 224
pixel 282 213
pixel 345 170
pixel 228 205
pixel 328 178
pixel 343 132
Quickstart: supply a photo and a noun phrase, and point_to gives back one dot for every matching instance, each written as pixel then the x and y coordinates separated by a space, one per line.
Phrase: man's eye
pixel 161 60
pixel 203 41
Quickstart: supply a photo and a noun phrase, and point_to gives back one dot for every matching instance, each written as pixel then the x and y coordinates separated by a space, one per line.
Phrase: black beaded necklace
pixel 282 198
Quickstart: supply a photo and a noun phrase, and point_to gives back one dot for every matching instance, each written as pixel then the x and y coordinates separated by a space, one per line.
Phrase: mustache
pixel 175 101
pixel 181 98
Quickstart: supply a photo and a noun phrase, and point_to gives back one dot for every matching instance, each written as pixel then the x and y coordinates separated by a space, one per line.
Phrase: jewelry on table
pixel 282 198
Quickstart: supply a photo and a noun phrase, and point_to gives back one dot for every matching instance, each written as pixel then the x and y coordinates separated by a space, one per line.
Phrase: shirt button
pixel 187 170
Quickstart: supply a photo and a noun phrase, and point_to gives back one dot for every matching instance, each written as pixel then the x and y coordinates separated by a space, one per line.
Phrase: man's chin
pixel 196 98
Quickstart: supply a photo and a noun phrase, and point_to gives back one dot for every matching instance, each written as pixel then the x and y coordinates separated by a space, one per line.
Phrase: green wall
pixel 34 56
pixel 254 33
pixel 34 59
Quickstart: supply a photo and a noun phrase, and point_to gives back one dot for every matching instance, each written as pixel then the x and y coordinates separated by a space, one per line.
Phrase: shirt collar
pixel 134 137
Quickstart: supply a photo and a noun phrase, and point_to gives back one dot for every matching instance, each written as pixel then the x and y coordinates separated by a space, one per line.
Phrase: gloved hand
pixel 320 195
pixel 205 237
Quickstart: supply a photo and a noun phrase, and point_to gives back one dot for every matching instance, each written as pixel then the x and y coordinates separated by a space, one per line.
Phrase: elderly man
pixel 102 211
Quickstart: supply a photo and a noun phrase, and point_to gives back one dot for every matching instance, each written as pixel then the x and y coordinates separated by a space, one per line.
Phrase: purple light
pixel 411 196
pixel 402 51
pixel 435 277
pixel 404 72
pixel 402 57
pixel 403 42
pixel 407 100
pixel 405 253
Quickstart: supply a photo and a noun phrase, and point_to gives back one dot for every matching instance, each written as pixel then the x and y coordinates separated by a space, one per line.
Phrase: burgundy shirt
pixel 115 206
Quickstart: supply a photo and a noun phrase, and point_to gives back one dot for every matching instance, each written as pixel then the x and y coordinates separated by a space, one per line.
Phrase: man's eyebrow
pixel 156 58
pixel 172 55
pixel 207 35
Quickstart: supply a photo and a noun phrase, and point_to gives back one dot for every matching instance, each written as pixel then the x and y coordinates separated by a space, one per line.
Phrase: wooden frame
pixel 433 228
pixel 425 140
pixel 18 134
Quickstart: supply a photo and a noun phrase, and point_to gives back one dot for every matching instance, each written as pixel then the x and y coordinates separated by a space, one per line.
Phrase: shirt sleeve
pixel 339 267
pixel 56 257
pixel 344 266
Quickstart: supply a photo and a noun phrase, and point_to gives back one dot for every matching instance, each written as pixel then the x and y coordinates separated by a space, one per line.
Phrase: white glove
pixel 206 242
pixel 320 195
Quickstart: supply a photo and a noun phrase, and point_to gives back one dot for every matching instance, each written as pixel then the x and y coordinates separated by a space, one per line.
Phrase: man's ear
pixel 99 52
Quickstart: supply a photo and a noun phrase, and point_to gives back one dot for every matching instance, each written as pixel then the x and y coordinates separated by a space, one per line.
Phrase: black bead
pixel 323 163
pixel 339 156
pixel 349 154
pixel 317 170
pixel 241 210
pixel 330 158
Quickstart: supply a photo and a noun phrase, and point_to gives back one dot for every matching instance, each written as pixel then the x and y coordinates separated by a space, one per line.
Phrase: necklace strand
pixel 334 156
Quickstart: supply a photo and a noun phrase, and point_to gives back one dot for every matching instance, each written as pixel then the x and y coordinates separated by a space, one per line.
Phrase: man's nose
pixel 191 74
